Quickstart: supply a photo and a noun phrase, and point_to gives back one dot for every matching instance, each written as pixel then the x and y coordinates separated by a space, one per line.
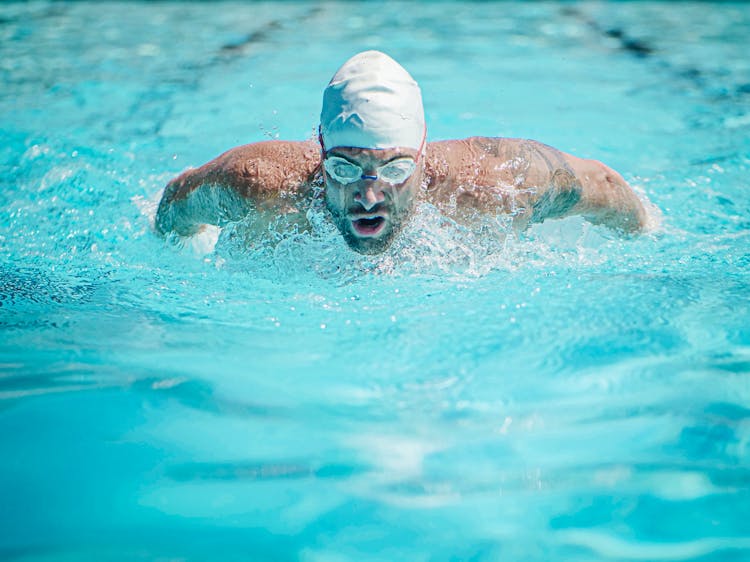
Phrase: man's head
pixel 372 135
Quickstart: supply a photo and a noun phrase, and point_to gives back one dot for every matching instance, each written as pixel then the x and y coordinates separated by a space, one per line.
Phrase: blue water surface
pixel 471 394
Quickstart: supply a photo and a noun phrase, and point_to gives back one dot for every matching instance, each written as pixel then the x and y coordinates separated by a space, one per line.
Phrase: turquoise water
pixel 470 395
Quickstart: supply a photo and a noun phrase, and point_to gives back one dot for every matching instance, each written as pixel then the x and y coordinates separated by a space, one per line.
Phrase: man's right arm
pixel 265 176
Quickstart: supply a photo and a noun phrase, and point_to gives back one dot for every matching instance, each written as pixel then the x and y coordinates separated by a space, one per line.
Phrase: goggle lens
pixel 394 172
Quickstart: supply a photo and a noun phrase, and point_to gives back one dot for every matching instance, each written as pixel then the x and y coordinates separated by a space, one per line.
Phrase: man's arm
pixel 607 199
pixel 266 176
pixel 531 181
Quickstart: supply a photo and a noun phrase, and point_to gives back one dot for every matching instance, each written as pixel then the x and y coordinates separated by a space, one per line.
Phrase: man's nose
pixel 369 193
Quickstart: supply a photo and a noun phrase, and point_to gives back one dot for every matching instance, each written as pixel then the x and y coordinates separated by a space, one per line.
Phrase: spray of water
pixel 431 244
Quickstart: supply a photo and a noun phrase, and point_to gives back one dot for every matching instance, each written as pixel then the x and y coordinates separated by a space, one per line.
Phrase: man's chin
pixel 369 244
pixel 368 236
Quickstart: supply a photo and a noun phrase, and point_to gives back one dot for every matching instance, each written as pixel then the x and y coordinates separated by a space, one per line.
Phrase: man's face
pixel 369 212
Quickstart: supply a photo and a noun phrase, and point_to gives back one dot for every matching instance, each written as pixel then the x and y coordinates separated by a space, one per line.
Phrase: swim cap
pixel 372 102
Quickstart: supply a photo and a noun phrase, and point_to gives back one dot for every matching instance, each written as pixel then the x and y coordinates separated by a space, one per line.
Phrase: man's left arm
pixel 549 183
pixel 588 188
pixel 532 182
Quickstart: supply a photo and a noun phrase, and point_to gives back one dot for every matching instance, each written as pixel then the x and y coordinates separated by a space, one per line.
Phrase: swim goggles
pixel 393 172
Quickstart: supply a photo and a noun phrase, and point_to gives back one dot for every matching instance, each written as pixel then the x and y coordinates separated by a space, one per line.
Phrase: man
pixel 374 164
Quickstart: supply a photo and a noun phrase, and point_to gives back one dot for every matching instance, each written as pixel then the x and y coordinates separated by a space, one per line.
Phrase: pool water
pixel 469 395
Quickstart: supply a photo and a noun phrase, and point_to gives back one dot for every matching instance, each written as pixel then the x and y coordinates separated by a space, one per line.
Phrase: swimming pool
pixel 565 395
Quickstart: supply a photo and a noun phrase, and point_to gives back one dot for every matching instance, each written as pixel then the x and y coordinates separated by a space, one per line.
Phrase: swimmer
pixel 374 163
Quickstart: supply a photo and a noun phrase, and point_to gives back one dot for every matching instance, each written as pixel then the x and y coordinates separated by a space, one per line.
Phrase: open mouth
pixel 368 226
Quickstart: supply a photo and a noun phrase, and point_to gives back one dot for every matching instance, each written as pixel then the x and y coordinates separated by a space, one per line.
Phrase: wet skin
pixel 464 179
pixel 370 212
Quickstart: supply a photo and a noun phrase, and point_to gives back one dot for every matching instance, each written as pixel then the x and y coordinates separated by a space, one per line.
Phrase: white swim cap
pixel 372 102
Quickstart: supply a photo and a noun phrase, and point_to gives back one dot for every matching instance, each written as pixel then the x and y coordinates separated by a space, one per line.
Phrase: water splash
pixel 431 244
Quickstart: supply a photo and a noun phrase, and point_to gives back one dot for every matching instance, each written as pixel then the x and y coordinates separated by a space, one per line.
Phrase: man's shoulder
pixel 274 166
pixel 450 160
pixel 490 157
pixel 256 170
pixel 480 144
pixel 290 155
pixel 487 173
